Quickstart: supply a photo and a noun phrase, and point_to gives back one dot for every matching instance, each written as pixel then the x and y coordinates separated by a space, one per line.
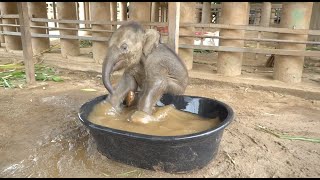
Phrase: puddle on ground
pixel 68 152
pixel 170 121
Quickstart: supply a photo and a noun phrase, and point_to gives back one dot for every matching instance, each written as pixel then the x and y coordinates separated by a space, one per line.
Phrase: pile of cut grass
pixel 13 75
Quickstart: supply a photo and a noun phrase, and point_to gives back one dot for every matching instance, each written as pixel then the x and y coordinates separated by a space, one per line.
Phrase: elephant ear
pixel 151 41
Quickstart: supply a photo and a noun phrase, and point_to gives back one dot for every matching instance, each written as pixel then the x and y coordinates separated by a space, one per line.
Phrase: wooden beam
pixel 9 16
pixel 26 41
pixel 253 39
pixel 253 50
pixel 197 25
pixel 173 28
pixel 104 22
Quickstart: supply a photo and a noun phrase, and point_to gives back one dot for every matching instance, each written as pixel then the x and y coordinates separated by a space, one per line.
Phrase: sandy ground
pixel 41 135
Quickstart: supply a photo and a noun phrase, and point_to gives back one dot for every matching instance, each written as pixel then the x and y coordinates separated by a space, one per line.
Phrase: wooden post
pixel 187 15
pixel 206 12
pixel 123 11
pixel 12 42
pixel 264 20
pixel 77 12
pixel 257 17
pixel 173 29
pixel 315 20
pixel 235 13
pixel 26 41
pixel 294 15
pixel 165 13
pixel 265 14
pixel 258 44
pixel 38 10
pixel 67 11
pixel 273 14
pixel 113 13
pixel 100 11
pixel 1 29
pixel 54 13
pixel 86 13
pixel 155 12
pixel 162 13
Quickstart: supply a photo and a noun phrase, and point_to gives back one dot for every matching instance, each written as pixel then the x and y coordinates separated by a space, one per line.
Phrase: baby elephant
pixel 149 65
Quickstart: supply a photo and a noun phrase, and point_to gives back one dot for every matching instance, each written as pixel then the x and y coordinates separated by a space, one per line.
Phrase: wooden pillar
pixel 315 20
pixel 12 42
pixel 265 14
pixel 273 14
pixel 67 11
pixel 165 13
pixel 206 12
pixel 113 13
pixel 234 13
pixel 38 10
pixel 294 15
pixel 100 11
pixel 26 39
pixel 198 14
pixel 86 9
pixel 1 29
pixel 187 15
pixel 174 19
pixel 54 11
pixel 140 11
pixel 155 12
pixel 257 17
pixel 123 11
pixel 162 13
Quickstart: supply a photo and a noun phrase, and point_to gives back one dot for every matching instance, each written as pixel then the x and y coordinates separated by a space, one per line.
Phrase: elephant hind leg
pixel 175 88
pixel 152 92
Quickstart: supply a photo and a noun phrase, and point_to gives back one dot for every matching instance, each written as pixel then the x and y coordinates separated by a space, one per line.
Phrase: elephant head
pixel 127 45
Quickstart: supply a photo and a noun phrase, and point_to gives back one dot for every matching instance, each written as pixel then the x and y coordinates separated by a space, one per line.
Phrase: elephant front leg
pixel 126 84
pixel 152 92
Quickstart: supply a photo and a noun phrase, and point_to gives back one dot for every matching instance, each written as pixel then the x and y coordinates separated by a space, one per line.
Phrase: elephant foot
pixel 130 98
pixel 141 117
pixel 110 110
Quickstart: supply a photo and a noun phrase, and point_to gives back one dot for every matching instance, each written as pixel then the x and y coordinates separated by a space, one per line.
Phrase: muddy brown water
pixel 169 121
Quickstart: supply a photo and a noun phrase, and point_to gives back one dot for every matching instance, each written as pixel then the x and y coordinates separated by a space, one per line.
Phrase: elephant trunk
pixel 108 67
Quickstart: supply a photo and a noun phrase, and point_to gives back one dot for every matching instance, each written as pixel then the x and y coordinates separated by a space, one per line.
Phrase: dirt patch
pixel 41 136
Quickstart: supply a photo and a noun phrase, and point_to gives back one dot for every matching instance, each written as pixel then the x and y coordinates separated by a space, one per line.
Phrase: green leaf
pixel 57 79
pixel 41 77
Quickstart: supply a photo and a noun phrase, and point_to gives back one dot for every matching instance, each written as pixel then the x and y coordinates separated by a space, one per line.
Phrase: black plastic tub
pixel 173 154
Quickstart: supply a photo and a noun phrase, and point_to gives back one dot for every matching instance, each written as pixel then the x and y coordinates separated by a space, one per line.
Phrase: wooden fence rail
pixel 163 24
pixel 253 50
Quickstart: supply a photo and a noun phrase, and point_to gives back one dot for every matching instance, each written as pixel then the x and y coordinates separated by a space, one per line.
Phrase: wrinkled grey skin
pixel 149 65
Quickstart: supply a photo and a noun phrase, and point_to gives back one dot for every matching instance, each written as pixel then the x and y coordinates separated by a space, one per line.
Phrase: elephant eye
pixel 124 46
